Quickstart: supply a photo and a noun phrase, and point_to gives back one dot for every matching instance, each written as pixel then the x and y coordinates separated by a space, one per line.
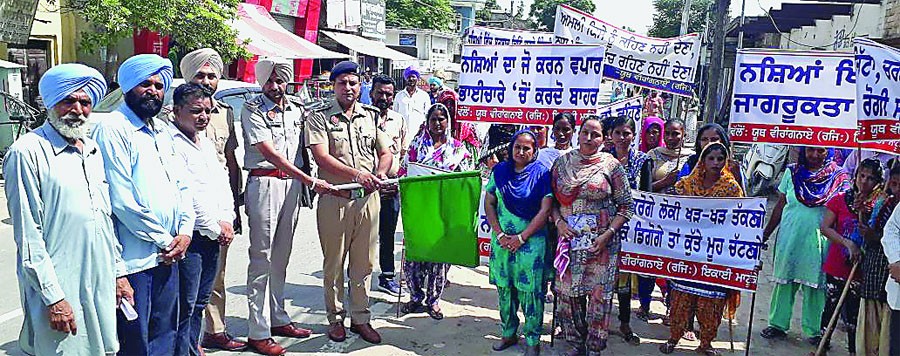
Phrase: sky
pixel 638 14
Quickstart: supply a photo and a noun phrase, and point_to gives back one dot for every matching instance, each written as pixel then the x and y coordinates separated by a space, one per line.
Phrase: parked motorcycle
pixel 762 166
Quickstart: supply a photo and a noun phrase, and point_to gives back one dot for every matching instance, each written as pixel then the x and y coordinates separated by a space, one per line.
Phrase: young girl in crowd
pixel 562 132
pixel 652 133
pixel 637 166
pixel 840 225
pixel 668 160
pixel 706 134
pixel 710 178
pixel 873 334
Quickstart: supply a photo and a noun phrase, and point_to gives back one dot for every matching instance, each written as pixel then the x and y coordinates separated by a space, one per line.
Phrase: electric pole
pixel 713 82
pixel 685 23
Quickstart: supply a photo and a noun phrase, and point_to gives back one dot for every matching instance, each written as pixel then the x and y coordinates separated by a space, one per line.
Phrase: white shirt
pixel 413 108
pixel 891 243
pixel 208 183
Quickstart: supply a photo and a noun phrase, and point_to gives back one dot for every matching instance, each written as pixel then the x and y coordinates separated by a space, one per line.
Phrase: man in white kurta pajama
pixel 58 202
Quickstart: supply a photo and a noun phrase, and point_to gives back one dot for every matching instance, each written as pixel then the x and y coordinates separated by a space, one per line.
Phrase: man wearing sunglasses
pixel 151 201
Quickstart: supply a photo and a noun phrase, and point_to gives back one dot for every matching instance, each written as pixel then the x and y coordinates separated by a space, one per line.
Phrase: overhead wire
pixel 775 25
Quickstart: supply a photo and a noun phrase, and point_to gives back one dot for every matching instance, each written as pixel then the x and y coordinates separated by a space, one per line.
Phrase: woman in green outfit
pixel 517 204
pixel 800 247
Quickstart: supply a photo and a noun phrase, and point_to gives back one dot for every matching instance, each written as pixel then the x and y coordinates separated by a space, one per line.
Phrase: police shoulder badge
pixel 335 120
pixel 272 114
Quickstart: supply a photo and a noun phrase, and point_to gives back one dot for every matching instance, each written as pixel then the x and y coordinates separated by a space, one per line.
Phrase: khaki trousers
pixel 215 309
pixel 272 210
pixel 348 228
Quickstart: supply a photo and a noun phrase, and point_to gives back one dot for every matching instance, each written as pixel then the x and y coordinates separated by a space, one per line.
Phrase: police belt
pixel 270 172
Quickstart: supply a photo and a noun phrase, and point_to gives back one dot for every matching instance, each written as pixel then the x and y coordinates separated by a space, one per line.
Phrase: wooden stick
pixel 837 311
pixel 553 321
pixel 752 310
pixel 402 260
pixel 731 331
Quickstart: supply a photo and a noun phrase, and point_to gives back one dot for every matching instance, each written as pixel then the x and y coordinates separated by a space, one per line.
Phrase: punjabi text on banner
pixel 668 65
pixel 481 35
pixel 708 240
pixel 796 98
pixel 528 84
pixel 877 90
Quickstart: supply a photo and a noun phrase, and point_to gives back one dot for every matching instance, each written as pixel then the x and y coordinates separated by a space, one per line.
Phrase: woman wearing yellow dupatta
pixel 710 178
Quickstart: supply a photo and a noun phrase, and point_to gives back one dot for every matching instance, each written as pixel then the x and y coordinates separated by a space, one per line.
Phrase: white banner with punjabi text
pixel 528 84
pixel 715 241
pixel 666 64
pixel 482 35
pixel 797 98
pixel 877 90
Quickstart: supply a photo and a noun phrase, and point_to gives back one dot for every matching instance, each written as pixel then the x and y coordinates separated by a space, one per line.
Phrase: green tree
pixel 667 19
pixel 192 24
pixel 543 12
pixel 484 15
pixel 424 14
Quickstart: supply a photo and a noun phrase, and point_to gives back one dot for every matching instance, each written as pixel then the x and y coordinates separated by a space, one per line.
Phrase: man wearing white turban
pixel 279 183
pixel 151 202
pixel 68 255
pixel 204 67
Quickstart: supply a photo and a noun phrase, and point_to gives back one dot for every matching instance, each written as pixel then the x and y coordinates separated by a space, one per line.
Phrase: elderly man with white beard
pixel 68 256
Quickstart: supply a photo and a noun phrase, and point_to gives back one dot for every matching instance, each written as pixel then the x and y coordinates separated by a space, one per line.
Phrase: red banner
pixel 806 136
pixel 709 273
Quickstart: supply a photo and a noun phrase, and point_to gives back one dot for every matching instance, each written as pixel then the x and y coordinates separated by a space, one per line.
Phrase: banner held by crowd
pixel 667 65
pixel 710 240
pixel 772 101
pixel 528 84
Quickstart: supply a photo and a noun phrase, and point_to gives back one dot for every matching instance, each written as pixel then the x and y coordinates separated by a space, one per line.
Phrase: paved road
pixel 470 306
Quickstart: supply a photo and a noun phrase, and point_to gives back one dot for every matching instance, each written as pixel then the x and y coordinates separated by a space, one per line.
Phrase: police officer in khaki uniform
pixel 278 184
pixel 204 67
pixel 348 147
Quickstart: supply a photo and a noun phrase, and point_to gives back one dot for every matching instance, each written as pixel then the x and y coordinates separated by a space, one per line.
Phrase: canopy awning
pixel 366 46
pixel 268 39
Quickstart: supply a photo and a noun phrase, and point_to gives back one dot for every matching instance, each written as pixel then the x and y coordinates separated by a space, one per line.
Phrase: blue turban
pixel 61 81
pixel 137 69
pixel 436 81
pixel 411 71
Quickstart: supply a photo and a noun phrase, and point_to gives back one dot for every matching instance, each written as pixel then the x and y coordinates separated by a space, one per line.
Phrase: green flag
pixel 439 216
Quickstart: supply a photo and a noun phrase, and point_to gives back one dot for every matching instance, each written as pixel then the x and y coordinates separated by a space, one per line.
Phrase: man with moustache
pixel 392 124
pixel 204 67
pixel 153 208
pixel 192 111
pixel 348 147
pixel 278 184
pixel 68 257
pixel 412 102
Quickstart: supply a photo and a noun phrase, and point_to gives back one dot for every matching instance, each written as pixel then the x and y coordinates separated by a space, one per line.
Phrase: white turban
pixel 61 81
pixel 192 62
pixel 282 68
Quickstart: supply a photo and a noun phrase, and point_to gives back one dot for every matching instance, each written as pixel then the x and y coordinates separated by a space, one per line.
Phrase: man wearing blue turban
pixel 150 198
pixel 68 256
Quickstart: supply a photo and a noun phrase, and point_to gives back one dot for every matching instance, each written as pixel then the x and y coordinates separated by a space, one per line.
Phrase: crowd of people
pixel 123 237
